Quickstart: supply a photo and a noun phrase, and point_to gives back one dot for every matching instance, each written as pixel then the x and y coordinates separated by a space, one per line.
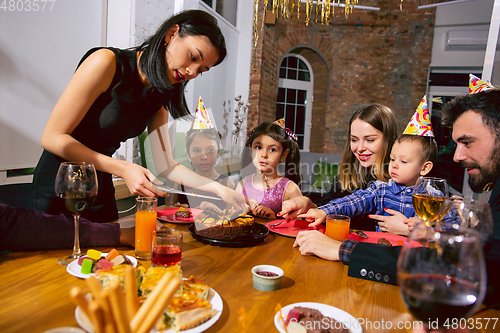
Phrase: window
pixel 225 8
pixel 294 100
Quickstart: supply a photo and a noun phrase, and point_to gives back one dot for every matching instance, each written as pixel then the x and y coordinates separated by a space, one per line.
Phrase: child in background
pixel 267 146
pixel 412 156
pixel 203 150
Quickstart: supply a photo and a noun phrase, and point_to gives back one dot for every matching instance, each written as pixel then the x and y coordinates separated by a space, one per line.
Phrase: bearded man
pixel 475 121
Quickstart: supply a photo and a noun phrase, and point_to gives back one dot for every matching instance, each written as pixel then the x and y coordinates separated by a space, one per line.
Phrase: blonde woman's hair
pixel 352 175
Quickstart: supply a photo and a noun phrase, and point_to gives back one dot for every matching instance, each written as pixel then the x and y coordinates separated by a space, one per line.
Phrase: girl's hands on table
pixel 313 242
pixel 264 212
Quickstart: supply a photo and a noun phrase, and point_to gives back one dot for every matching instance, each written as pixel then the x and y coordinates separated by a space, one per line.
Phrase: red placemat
pixel 291 228
pixel 373 237
pixel 168 215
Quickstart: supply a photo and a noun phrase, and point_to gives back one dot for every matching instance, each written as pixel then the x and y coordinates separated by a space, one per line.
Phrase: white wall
pixel 473 15
pixel 39 51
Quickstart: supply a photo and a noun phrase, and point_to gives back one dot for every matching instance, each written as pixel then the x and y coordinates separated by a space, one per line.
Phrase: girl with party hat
pixel 412 156
pixel 268 145
pixel 203 148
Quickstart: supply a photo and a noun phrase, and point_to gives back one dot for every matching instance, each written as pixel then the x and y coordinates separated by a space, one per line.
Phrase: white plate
pixel 213 298
pixel 335 313
pixel 76 270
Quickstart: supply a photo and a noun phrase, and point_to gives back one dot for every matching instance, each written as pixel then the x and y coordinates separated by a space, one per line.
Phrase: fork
pixel 276 224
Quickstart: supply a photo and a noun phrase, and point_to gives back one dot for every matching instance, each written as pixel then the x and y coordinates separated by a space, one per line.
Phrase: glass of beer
pixel 145 224
pixel 166 247
pixel 337 226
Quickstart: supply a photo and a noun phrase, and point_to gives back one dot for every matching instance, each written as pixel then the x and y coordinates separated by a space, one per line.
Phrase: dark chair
pixel 17 195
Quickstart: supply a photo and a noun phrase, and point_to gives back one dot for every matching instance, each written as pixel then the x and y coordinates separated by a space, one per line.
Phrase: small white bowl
pixel 267 283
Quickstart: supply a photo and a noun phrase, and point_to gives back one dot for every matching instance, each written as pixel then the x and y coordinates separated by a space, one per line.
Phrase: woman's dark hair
pixel 352 175
pixel 152 62
pixel 278 133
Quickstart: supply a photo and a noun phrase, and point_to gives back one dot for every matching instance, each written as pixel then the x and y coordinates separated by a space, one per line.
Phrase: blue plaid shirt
pixel 374 199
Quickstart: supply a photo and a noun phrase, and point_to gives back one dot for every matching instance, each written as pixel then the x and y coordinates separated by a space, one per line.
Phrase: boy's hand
pixel 316 216
pixel 394 224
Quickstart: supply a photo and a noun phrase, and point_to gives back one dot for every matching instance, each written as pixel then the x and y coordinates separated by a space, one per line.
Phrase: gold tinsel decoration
pixel 323 10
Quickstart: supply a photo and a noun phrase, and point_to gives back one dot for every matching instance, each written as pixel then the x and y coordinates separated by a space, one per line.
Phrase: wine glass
pixel 477 215
pixel 429 196
pixel 446 281
pixel 76 184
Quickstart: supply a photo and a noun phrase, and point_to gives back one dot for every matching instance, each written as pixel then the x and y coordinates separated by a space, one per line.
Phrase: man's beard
pixel 487 173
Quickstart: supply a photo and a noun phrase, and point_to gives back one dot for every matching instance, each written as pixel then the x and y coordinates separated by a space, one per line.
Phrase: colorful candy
pixel 104 264
pixel 87 266
pixel 118 260
pixel 112 255
pixel 94 254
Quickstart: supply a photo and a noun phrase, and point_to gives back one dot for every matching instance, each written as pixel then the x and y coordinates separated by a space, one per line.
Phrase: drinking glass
pixel 429 194
pixel 445 282
pixel 166 247
pixel 76 184
pixel 477 215
pixel 337 226
pixel 145 223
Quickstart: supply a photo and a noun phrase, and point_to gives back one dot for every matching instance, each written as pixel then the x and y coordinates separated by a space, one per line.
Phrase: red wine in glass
pixel 77 205
pixel 76 184
pixel 166 255
pixel 432 296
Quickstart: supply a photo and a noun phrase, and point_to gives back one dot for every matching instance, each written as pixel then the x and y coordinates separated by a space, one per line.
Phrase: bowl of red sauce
pixel 267 277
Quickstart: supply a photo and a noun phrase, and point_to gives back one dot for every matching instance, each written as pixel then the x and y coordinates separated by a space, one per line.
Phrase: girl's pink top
pixel 273 199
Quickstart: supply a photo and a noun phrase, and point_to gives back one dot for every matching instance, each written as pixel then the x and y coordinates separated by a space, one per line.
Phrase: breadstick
pixel 131 299
pixel 100 296
pixel 79 299
pixel 118 307
pixel 155 304
pixel 97 317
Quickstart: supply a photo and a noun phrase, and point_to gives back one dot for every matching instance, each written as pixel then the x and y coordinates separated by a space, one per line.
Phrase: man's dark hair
pixel 485 103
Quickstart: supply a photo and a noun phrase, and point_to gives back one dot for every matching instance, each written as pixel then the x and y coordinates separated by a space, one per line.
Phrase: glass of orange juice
pixel 145 224
pixel 337 226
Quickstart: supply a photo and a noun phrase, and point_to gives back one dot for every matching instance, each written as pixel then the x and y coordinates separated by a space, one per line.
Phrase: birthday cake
pixel 226 225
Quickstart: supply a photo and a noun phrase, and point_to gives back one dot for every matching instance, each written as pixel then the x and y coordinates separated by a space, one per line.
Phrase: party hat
pixel 201 117
pixel 420 123
pixel 476 84
pixel 280 122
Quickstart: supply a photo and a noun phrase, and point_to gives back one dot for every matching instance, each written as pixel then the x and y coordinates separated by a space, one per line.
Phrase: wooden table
pixel 35 289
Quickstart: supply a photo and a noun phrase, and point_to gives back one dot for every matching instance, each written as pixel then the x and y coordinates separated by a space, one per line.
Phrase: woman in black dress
pixel 113 95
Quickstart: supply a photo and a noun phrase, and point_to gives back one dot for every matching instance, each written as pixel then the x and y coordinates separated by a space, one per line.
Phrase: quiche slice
pixel 187 311
pixel 194 286
pixel 154 274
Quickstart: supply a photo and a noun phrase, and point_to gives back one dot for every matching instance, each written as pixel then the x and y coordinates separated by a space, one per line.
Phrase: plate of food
pixel 178 214
pixel 75 269
pixel 258 234
pixel 292 227
pixel 213 298
pixel 298 316
pixel 381 238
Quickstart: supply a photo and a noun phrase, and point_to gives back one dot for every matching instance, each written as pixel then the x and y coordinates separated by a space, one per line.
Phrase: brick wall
pixel 373 56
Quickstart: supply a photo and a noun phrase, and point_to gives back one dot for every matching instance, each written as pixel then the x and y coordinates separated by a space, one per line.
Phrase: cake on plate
pixel 225 225
pixel 183 213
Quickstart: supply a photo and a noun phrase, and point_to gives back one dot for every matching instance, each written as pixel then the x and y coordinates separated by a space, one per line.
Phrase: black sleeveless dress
pixel 120 113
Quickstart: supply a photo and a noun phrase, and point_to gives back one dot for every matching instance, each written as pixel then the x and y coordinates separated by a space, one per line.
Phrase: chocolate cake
pixel 183 213
pixel 223 226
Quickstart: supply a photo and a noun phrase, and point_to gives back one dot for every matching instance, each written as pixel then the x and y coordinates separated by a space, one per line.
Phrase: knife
pixel 169 189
